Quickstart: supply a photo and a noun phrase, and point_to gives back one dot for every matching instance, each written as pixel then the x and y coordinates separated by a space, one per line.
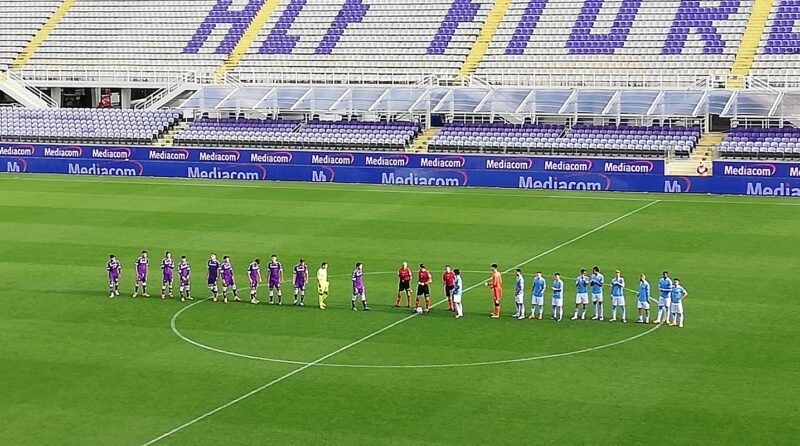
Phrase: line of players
pixel 670 302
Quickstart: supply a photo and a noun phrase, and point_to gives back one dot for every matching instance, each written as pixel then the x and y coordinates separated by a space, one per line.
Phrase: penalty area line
pixel 377 332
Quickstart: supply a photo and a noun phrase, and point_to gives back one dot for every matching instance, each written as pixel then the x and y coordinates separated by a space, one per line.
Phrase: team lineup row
pixel 670 301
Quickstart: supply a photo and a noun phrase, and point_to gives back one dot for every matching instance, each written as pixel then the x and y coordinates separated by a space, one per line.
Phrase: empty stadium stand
pixel 20 22
pixel 762 143
pixel 84 125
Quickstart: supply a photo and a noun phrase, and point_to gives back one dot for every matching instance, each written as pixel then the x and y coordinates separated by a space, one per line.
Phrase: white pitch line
pixel 375 333
pixel 389 189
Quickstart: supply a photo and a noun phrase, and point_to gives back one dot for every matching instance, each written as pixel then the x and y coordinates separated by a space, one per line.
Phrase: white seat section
pixel 392 39
pixel 547 52
pixel 135 34
pixel 19 22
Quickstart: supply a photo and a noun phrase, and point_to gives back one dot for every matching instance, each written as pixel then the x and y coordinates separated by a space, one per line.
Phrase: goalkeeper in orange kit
pixel 496 284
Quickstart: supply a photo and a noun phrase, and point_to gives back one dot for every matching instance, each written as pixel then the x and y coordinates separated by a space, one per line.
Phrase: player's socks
pixel 416 305
pixel 270 297
pixel 294 300
pixel 427 304
pixel 364 303
pixel 302 298
pixel 600 310
pixel 583 314
pixel 280 297
pixel 408 300
pixel 235 291
pixel 188 294
pixel 144 290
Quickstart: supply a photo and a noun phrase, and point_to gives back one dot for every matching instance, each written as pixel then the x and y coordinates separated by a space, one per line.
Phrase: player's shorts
pixel 167 278
pixel 497 293
pixel 663 302
pixel 597 297
pixel 557 302
pixel 519 298
pixel 254 282
pixel 676 308
pixel 457 298
pixel 141 277
pixel 300 286
pixel 228 282
pixel 423 290
pixel 184 282
pixel 618 301
pixel 274 283
pixel 212 281
pixel 358 289
pixel 643 305
pixel 405 285
pixel 582 298
pixel 537 300
pixel 448 290
pixel 323 288
pixel 113 278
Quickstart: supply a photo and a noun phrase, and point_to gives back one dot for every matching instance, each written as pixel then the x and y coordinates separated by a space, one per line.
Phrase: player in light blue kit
pixel 537 297
pixel 618 297
pixel 643 304
pixel 558 297
pixel 665 291
pixel 519 294
pixel 677 295
pixel 581 295
pixel 458 291
pixel 597 282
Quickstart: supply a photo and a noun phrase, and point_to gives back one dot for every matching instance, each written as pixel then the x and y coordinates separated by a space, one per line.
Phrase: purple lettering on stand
pixel 583 41
pixel 525 27
pixel 783 39
pixel 353 11
pixel 221 14
pixel 279 41
pixel 692 16
pixel 461 11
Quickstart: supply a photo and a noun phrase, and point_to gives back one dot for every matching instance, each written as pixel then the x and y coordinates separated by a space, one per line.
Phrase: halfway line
pixel 375 333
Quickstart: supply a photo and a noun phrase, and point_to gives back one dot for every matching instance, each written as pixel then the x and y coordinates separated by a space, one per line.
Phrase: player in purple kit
pixel 300 278
pixel 142 266
pixel 275 278
pixel 254 271
pixel 213 275
pixel 358 287
pixel 167 267
pixel 114 269
pixel 228 280
pixel 184 272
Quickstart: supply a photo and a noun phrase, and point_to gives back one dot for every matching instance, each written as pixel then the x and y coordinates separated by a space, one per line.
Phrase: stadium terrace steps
pixel 44 32
pixel 241 48
pixel 753 34
pixel 707 146
pixel 168 139
pixel 420 145
pixel 485 38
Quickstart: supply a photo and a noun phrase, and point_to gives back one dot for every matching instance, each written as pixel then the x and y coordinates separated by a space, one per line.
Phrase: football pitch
pixel 80 368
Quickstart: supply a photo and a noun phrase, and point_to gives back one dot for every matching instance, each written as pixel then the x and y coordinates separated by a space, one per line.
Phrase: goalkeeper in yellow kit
pixel 322 284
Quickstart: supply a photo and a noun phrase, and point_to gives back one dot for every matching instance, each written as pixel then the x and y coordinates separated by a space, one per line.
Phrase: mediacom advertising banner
pixel 447 177
pixel 341 159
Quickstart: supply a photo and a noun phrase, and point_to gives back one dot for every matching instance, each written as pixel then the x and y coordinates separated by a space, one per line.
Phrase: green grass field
pixel 79 368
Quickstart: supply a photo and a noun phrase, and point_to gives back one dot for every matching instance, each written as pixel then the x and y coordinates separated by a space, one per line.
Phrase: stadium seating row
pixel 560 39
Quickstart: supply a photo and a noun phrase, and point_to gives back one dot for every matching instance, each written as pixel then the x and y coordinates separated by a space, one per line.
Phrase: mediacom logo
pixel 63 152
pixel 386 160
pixel 227 156
pixel 443 162
pixel 271 157
pixel 782 189
pixel 590 181
pixel 629 166
pixel 509 163
pixel 569 165
pixel 116 153
pixel 112 168
pixel 249 172
pixel 427 178
pixel 337 159
pixel 168 154
pixel 750 170
pixel 678 186
pixel 17 151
